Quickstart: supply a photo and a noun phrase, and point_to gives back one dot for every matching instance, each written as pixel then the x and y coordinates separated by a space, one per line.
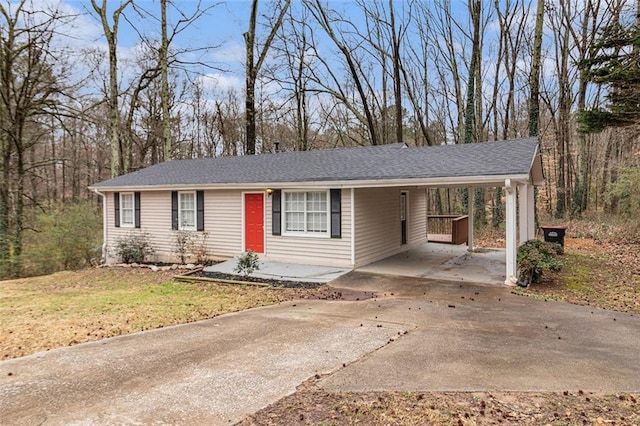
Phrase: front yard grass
pixel 68 308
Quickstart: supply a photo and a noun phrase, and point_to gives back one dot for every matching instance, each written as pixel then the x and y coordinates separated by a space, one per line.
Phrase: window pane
pixel 126 201
pixel 294 222
pixel 187 210
pixel 316 201
pixel 126 209
pixel 126 216
pixel 186 201
pixel 294 201
pixel 317 222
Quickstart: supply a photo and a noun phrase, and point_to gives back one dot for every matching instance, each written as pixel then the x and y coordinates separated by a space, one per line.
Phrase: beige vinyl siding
pixel 377 217
pixel 323 251
pixel 223 222
pixel 417 217
pixel 223 225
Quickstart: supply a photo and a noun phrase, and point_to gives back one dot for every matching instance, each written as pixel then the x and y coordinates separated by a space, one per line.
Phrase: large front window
pixel 126 209
pixel 187 211
pixel 306 212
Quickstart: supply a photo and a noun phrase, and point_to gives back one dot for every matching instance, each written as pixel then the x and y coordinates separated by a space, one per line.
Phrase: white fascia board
pixel 466 181
pixel 537 172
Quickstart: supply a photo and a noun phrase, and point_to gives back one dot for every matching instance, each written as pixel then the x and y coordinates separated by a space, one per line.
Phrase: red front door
pixel 254 222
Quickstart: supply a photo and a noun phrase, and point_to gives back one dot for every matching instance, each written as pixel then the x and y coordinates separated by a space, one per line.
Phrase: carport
pixel 514 166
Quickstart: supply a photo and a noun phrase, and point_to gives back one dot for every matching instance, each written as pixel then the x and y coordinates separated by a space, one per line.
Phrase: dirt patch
pixel 310 405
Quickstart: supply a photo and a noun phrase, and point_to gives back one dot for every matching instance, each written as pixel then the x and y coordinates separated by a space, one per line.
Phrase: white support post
pixel 511 232
pixel 471 199
pixel 523 212
pixel 531 215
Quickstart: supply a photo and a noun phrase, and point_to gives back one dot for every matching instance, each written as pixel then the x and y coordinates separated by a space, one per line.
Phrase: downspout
pixel 104 225
pixel 352 201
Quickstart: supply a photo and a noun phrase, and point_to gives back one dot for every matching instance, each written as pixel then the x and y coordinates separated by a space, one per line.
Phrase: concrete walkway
pixel 458 337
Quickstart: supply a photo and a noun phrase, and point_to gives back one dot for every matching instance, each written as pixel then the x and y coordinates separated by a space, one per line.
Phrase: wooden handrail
pixel 452 229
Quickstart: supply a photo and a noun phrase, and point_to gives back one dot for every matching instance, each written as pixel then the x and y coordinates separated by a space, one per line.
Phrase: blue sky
pixel 221 28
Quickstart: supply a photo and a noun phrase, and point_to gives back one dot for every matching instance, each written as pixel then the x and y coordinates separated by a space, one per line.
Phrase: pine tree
pixel 615 65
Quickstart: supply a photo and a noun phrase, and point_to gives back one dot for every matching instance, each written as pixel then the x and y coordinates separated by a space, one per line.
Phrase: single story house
pixel 344 207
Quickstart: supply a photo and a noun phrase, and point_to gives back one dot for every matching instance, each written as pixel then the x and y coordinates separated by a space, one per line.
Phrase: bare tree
pixel 253 67
pixel 119 151
pixel 322 16
pixel 534 79
pixel 475 10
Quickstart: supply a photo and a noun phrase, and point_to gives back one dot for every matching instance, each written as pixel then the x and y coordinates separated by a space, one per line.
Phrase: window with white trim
pixel 127 209
pixel 187 211
pixel 306 212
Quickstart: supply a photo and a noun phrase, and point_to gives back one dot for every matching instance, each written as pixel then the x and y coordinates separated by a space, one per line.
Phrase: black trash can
pixel 554 233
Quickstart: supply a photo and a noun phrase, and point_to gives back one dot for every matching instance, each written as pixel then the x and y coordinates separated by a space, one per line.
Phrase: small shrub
pixel 534 257
pixel 247 263
pixel 182 244
pixel 134 248
pixel 198 248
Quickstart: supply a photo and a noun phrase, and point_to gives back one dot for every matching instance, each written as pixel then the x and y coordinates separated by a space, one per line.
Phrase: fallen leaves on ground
pixel 596 273
pixel 311 405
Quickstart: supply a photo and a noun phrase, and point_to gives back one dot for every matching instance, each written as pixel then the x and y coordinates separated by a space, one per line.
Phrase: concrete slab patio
pixel 458 337
pixel 445 262
pixel 284 271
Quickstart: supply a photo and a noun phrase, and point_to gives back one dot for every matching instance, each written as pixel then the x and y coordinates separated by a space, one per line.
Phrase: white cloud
pixel 231 52
pixel 217 82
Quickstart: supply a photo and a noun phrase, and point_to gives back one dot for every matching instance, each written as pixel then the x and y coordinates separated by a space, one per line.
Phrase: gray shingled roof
pixel 503 158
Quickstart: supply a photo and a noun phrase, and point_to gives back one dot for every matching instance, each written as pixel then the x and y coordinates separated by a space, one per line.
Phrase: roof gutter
pixel 104 224
pixel 473 181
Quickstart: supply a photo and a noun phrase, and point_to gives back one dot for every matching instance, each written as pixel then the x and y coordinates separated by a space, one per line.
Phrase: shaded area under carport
pixel 444 262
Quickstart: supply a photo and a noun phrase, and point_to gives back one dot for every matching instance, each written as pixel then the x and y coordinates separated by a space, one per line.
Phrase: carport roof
pixel 476 163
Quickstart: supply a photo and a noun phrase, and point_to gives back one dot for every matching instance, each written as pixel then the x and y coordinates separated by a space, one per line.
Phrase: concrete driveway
pixel 468 337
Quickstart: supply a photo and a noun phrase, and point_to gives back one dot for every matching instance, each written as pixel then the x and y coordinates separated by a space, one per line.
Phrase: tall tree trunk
pixel 470 108
pixel 119 151
pixel 164 83
pixel 534 77
pixel 397 88
pixel 252 68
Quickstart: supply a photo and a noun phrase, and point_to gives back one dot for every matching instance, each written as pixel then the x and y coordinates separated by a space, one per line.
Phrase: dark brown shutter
pixel 336 212
pixel 200 210
pixel 136 206
pixel 116 208
pixel 174 210
pixel 276 215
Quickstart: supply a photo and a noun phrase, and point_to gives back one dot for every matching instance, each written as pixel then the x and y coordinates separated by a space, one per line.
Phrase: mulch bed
pixel 268 281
